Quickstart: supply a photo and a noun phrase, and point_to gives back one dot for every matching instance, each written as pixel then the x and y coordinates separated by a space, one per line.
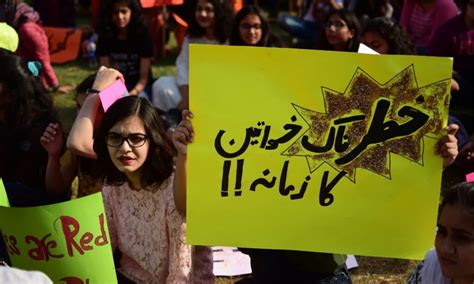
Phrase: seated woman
pixel 342 32
pixel 387 37
pixel 135 156
pixel 452 261
pixel 251 28
pixel 125 44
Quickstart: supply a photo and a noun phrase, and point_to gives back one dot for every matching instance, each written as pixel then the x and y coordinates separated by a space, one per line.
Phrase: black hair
pixel 398 40
pixel 352 24
pixel 222 21
pixel 235 38
pixel 8 8
pixel 23 96
pixel 85 84
pixel 158 165
pixel 136 27
pixel 463 194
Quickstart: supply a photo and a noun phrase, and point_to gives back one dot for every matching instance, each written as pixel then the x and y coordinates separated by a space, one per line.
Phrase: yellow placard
pixel 315 151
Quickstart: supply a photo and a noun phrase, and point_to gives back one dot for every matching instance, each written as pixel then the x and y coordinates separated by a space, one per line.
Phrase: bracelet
pixel 92 91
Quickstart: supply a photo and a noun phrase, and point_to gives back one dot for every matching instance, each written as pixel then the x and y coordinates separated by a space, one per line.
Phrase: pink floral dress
pixel 151 235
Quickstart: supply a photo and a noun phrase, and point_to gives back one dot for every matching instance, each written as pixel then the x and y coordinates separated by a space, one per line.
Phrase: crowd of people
pixel 135 153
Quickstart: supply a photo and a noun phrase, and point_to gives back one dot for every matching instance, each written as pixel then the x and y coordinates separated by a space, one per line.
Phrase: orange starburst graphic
pixel 361 125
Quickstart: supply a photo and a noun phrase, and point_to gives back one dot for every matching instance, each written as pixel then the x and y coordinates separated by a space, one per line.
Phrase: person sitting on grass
pixel 125 44
pixel 135 156
pixel 251 28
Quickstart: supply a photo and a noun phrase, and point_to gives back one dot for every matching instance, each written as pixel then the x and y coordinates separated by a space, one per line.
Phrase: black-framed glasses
pixel 133 139
pixel 251 26
pixel 337 25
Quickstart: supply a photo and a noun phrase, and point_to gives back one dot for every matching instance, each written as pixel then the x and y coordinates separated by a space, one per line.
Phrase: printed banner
pixel 68 241
pixel 315 151
pixel 64 44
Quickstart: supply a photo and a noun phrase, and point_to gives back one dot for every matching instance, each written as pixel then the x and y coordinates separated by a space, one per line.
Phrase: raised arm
pixel 81 137
pixel 182 136
pixel 59 176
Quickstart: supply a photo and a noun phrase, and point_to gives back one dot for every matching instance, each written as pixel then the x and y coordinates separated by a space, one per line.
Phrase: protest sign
pixel 3 195
pixel 68 241
pixel 112 93
pixel 315 151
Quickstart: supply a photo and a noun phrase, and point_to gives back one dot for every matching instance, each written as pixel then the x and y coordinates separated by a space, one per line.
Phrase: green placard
pixel 68 241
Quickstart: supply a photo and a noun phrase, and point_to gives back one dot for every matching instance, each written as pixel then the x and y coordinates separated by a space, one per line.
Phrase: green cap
pixel 8 37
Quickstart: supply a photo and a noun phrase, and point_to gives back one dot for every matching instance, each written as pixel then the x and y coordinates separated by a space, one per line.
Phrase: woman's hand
pixel 52 140
pixel 448 146
pixel 183 134
pixel 106 77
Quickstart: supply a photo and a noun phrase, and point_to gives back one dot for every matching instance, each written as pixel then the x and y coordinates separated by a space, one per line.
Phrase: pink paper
pixel 470 177
pixel 112 93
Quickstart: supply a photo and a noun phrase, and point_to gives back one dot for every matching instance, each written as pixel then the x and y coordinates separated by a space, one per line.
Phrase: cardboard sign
pixel 315 151
pixel 112 93
pixel 68 241
pixel 64 44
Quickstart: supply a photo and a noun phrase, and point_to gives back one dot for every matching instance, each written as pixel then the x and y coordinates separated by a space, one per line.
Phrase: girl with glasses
pixel 251 28
pixel 135 162
pixel 342 32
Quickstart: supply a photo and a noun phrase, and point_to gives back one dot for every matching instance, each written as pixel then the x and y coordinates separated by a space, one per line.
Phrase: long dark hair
pixel 137 26
pixel 23 96
pixel 396 37
pixel 222 21
pixel 352 24
pixel 158 165
pixel 235 38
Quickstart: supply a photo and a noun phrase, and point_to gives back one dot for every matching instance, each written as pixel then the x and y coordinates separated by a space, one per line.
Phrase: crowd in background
pixel 135 153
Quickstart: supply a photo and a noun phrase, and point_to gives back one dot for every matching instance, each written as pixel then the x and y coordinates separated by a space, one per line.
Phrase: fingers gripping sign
pixel 184 133
pixel 447 146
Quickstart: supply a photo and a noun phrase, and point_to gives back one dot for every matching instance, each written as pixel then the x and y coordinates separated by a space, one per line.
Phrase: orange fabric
pixel 64 44
pixel 236 4
pixel 155 3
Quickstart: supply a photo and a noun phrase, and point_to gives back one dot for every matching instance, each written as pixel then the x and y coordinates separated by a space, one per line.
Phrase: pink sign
pixel 112 93
pixel 470 177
